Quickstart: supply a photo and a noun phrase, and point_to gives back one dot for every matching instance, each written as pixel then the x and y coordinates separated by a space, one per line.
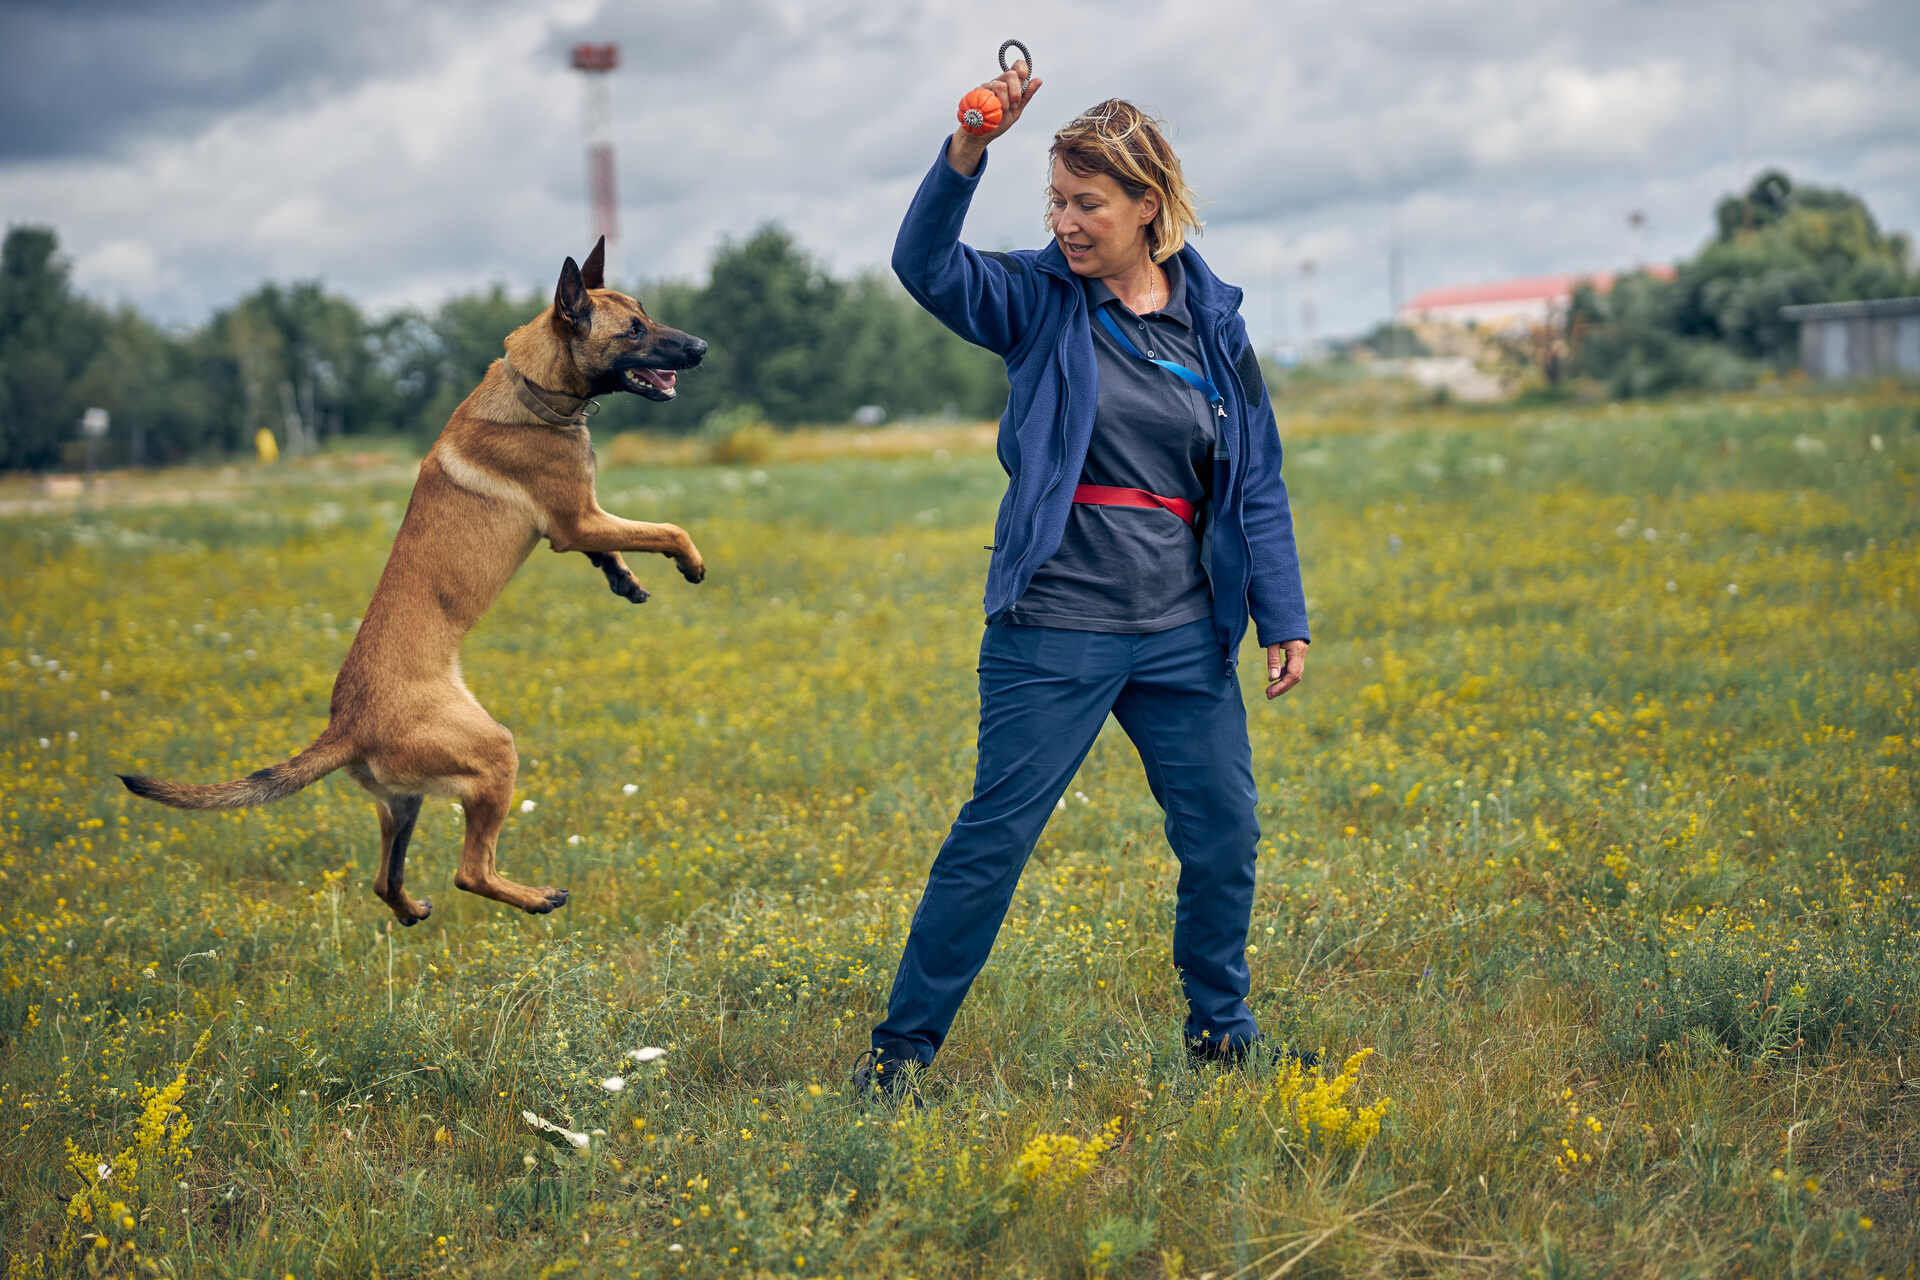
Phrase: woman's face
pixel 1101 229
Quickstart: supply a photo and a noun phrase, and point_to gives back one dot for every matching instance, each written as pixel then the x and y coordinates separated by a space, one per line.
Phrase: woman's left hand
pixel 1286 666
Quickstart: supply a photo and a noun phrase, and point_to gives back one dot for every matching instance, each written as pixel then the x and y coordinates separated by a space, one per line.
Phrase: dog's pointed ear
pixel 593 272
pixel 572 308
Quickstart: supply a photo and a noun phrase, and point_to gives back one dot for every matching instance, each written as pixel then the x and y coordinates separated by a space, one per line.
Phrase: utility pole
pixel 1307 315
pixel 1395 272
pixel 1273 296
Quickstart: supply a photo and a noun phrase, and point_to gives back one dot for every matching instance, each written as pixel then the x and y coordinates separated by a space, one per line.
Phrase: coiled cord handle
pixel 1025 57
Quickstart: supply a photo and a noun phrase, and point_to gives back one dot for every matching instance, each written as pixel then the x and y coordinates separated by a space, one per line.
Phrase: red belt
pixel 1101 495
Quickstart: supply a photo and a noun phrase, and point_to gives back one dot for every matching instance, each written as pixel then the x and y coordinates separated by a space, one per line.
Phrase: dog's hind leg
pixel 485 794
pixel 397 816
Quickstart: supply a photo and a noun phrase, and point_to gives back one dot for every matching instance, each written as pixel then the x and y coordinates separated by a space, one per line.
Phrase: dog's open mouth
pixel 656 384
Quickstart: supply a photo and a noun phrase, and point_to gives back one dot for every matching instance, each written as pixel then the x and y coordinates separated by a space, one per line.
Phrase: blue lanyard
pixel 1195 380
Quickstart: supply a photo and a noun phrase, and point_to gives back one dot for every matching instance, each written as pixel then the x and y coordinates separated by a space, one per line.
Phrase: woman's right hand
pixel 1015 91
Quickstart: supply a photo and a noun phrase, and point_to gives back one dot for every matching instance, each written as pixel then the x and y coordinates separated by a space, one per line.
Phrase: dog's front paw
pixel 692 568
pixel 630 589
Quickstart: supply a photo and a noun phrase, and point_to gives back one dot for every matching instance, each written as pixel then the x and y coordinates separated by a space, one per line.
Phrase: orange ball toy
pixel 980 111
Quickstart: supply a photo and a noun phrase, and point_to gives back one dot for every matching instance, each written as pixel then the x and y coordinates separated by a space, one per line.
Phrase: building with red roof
pixel 1507 303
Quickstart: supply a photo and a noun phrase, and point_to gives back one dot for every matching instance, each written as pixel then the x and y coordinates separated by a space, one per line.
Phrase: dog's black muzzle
pixel 651 372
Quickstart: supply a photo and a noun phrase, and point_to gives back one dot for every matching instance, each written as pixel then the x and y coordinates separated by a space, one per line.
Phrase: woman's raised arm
pixel 976 295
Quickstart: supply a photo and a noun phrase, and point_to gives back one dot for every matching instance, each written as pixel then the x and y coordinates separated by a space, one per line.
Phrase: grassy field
pixel 1588 849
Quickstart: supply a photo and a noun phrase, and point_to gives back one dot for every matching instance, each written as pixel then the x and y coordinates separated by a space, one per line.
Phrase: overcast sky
pixel 186 150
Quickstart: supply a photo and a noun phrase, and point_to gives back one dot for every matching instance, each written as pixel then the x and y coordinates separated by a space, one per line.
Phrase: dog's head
pixel 615 344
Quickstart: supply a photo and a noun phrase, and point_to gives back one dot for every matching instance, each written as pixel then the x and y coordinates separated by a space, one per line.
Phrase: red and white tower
pixel 596 60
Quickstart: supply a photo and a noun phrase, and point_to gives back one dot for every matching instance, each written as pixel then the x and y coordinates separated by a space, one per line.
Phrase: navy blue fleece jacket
pixel 1028 308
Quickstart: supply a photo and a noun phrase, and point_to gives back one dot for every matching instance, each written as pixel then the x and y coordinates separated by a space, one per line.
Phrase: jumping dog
pixel 513 465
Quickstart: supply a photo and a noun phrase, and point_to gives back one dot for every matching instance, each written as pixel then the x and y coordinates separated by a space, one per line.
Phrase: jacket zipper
pixel 1233 474
pixel 1060 450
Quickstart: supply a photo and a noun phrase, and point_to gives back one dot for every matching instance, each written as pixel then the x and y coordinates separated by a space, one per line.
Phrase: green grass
pixel 1593 823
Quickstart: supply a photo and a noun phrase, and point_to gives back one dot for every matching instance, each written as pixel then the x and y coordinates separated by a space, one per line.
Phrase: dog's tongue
pixel 661 378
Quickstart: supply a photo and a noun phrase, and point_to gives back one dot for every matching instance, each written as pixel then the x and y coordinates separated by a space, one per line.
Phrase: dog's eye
pixel 636 328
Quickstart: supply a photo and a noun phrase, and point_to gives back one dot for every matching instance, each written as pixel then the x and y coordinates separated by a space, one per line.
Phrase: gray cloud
pixel 401 153
pixel 82 77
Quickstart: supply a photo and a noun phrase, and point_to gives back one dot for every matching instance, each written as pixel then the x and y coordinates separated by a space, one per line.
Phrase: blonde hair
pixel 1126 144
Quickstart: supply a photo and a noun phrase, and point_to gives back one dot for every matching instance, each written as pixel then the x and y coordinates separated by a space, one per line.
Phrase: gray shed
pixel 1859 339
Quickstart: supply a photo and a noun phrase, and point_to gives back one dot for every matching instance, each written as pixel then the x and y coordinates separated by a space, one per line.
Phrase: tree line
pixel 790 343
pixel 1717 324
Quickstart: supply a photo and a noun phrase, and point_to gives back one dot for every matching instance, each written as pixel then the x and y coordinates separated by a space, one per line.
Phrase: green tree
pixel 1779 245
pixel 1718 322
pixel 1630 340
pixel 302 364
pixel 152 383
pixel 46 336
pixel 469 334
pixel 772 317
pixel 786 338
pixel 897 356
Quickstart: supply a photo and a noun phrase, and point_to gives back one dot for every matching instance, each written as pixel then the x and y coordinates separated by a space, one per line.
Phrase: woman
pixel 1144 521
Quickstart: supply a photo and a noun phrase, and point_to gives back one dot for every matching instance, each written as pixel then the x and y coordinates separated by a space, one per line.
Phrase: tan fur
pixel 497 481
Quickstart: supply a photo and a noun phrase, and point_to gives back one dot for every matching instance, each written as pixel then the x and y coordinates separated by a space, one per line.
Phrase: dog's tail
pixel 275 782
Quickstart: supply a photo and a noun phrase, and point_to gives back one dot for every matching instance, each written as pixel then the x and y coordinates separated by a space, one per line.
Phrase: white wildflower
pixel 627 789
pixel 573 839
pixel 648 1054
pixel 614 1084
pixel 528 806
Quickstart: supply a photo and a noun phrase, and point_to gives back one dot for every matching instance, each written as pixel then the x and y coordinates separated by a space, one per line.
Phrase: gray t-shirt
pixel 1133 569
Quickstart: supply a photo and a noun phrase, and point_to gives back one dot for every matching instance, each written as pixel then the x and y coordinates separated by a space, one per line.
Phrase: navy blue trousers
pixel 1044 694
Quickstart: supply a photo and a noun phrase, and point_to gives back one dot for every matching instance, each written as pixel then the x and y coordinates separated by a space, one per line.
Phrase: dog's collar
pixel 555 408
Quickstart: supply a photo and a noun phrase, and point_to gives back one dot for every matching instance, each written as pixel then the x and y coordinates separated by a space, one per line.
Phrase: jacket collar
pixel 1207 294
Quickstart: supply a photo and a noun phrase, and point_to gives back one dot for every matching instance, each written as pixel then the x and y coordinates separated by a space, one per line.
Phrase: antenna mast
pixel 595 61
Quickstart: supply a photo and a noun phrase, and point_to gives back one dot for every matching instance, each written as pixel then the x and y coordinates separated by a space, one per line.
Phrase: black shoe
pixel 1203 1051
pixel 879 1077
